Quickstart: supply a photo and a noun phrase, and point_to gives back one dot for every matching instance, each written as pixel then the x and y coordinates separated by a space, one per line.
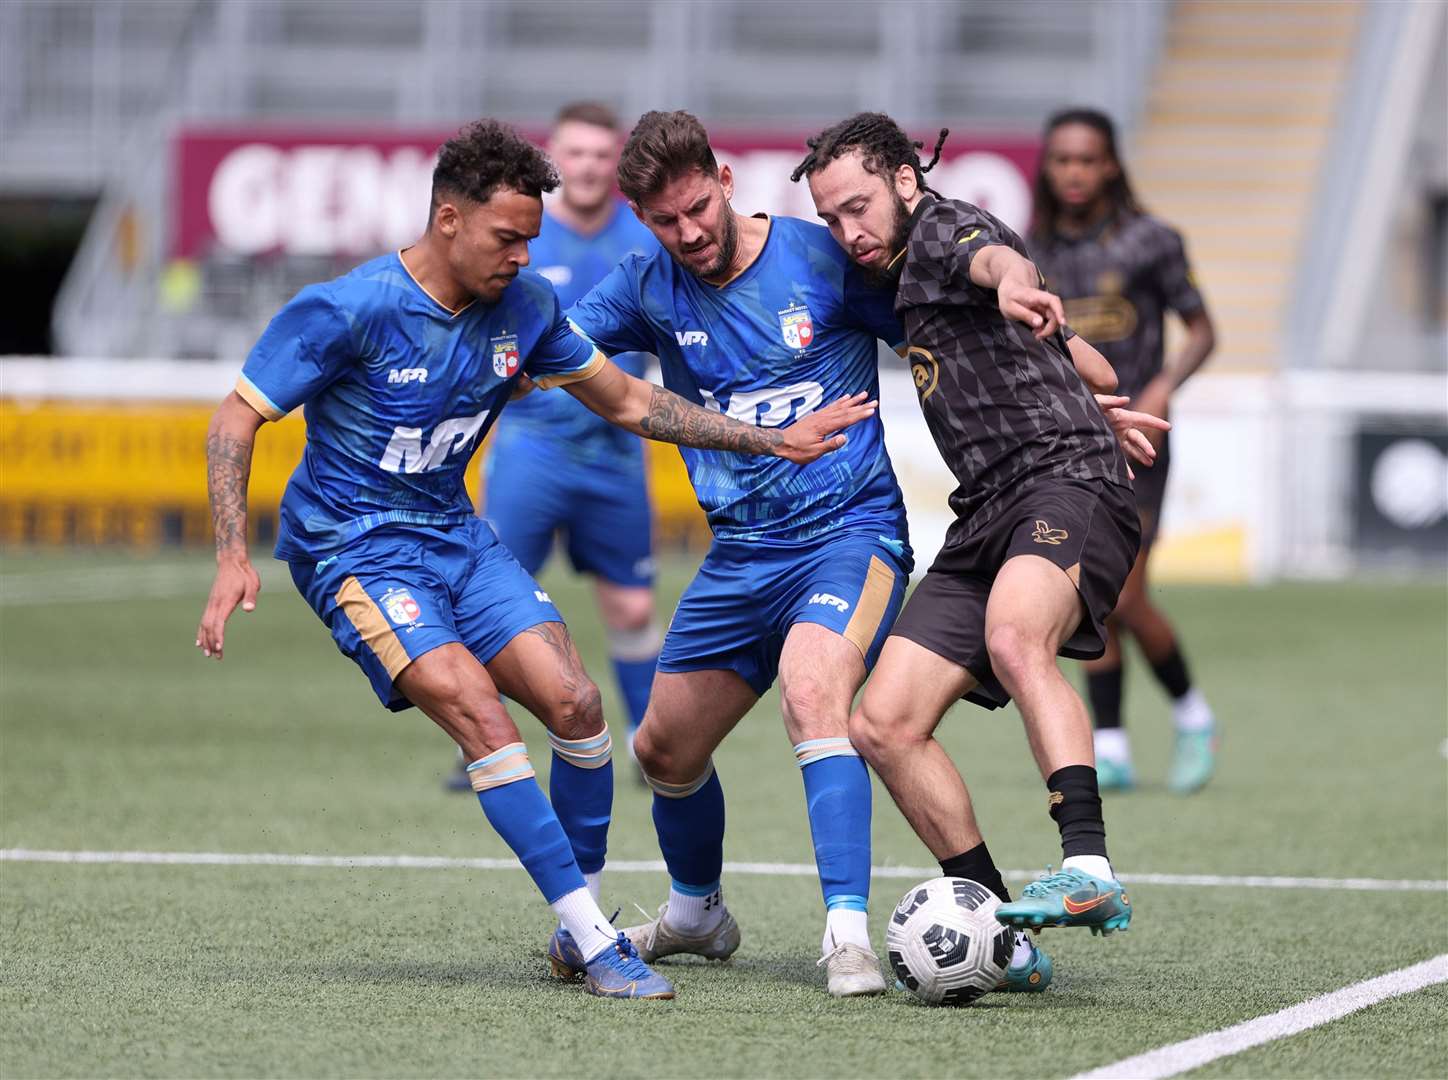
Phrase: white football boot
pixel 656 938
pixel 853 971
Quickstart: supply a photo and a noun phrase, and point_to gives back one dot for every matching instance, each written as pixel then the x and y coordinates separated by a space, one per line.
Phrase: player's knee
pixel 654 757
pixel 881 726
pixel 811 710
pixel 1015 653
pixel 631 612
pixel 636 642
pixel 667 759
pixel 869 733
pixel 576 712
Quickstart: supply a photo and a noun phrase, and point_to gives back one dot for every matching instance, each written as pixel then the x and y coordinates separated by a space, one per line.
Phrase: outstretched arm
pixel 229 443
pixel 659 414
pixel 1095 370
pixel 1017 284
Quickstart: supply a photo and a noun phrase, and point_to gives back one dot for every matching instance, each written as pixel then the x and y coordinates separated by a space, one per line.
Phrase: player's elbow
pixel 235 416
pixel 1104 380
pixel 1207 337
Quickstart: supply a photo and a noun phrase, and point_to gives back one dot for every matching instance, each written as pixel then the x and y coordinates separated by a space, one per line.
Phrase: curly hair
pixel 663 146
pixel 485 156
pixel 882 143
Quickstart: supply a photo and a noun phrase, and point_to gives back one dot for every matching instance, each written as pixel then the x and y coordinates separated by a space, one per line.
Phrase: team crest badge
pixel 797 326
pixel 505 356
pixel 401 608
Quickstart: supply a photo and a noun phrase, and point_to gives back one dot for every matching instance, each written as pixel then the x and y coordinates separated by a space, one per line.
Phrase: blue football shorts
pixel 736 612
pixel 533 492
pixel 397 593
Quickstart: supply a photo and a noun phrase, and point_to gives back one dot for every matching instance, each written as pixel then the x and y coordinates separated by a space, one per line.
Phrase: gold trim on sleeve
pixel 588 371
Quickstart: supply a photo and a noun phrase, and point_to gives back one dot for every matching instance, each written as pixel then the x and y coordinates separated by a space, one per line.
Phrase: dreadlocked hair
pixel 883 147
pixel 485 156
pixel 1118 190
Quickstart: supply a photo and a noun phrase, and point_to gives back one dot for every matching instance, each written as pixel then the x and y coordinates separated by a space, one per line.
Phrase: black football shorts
pixel 1089 528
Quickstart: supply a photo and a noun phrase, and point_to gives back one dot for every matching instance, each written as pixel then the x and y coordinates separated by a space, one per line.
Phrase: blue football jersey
pixel 399 392
pixel 795 330
pixel 575 263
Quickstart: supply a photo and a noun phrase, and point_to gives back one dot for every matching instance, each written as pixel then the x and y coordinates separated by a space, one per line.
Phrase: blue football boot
pixel 564 956
pixel 1069 898
pixel 1030 977
pixel 617 972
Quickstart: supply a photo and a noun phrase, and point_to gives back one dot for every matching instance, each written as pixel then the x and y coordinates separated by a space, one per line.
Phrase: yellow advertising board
pixel 120 472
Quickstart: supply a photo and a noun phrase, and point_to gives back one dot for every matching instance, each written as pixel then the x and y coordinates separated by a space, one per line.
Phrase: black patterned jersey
pixel 1006 410
pixel 1117 282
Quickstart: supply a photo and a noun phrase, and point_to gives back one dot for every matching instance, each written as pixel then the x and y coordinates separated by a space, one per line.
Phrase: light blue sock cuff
pixel 845 901
pixel 695 890
pixel 812 750
pixel 504 766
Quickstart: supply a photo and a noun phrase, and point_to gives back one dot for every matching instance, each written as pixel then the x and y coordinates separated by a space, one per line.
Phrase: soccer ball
pixel 944 941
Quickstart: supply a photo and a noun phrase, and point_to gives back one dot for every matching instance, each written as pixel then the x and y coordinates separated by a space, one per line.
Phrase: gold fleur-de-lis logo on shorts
pixel 1044 534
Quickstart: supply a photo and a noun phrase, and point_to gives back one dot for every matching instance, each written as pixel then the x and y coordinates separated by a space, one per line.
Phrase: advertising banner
pixel 345 193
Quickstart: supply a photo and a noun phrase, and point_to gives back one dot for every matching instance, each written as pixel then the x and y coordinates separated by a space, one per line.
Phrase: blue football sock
pixel 689 819
pixel 581 788
pixel 837 792
pixel 635 680
pixel 517 809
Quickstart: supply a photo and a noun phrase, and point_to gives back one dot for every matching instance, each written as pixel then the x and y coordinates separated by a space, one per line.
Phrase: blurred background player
pixel 554 466
pixel 1119 270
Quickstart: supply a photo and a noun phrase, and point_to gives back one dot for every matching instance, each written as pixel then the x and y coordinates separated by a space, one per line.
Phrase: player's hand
pixel 522 388
pixel 813 436
pixel 1155 398
pixel 1037 308
pixel 237 582
pixel 1130 427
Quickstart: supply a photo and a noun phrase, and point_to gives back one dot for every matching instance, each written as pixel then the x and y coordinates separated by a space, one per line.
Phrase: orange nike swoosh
pixel 1073 908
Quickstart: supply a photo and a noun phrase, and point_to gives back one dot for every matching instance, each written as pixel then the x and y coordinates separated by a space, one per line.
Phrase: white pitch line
pixel 1190 1054
pixel 653 866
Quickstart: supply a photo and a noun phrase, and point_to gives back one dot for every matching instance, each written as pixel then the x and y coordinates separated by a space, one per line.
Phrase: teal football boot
pixel 1069 898
pixel 1114 775
pixel 1031 977
pixel 1193 761
pixel 617 972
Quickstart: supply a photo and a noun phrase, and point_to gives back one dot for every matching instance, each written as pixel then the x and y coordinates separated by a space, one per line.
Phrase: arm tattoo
pixel 228 468
pixel 672 419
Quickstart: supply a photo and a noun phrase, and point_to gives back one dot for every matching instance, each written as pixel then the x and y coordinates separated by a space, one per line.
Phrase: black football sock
pixel 1076 808
pixel 1103 688
pixel 977 865
pixel 1173 675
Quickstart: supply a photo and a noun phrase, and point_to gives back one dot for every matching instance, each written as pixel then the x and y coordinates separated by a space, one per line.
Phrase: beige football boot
pixel 853 971
pixel 656 938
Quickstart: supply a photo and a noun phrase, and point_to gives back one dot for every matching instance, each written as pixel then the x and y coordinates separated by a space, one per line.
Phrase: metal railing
pixel 104 123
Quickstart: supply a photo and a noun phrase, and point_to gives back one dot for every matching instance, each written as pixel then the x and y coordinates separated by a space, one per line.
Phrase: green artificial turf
pixel 116 735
